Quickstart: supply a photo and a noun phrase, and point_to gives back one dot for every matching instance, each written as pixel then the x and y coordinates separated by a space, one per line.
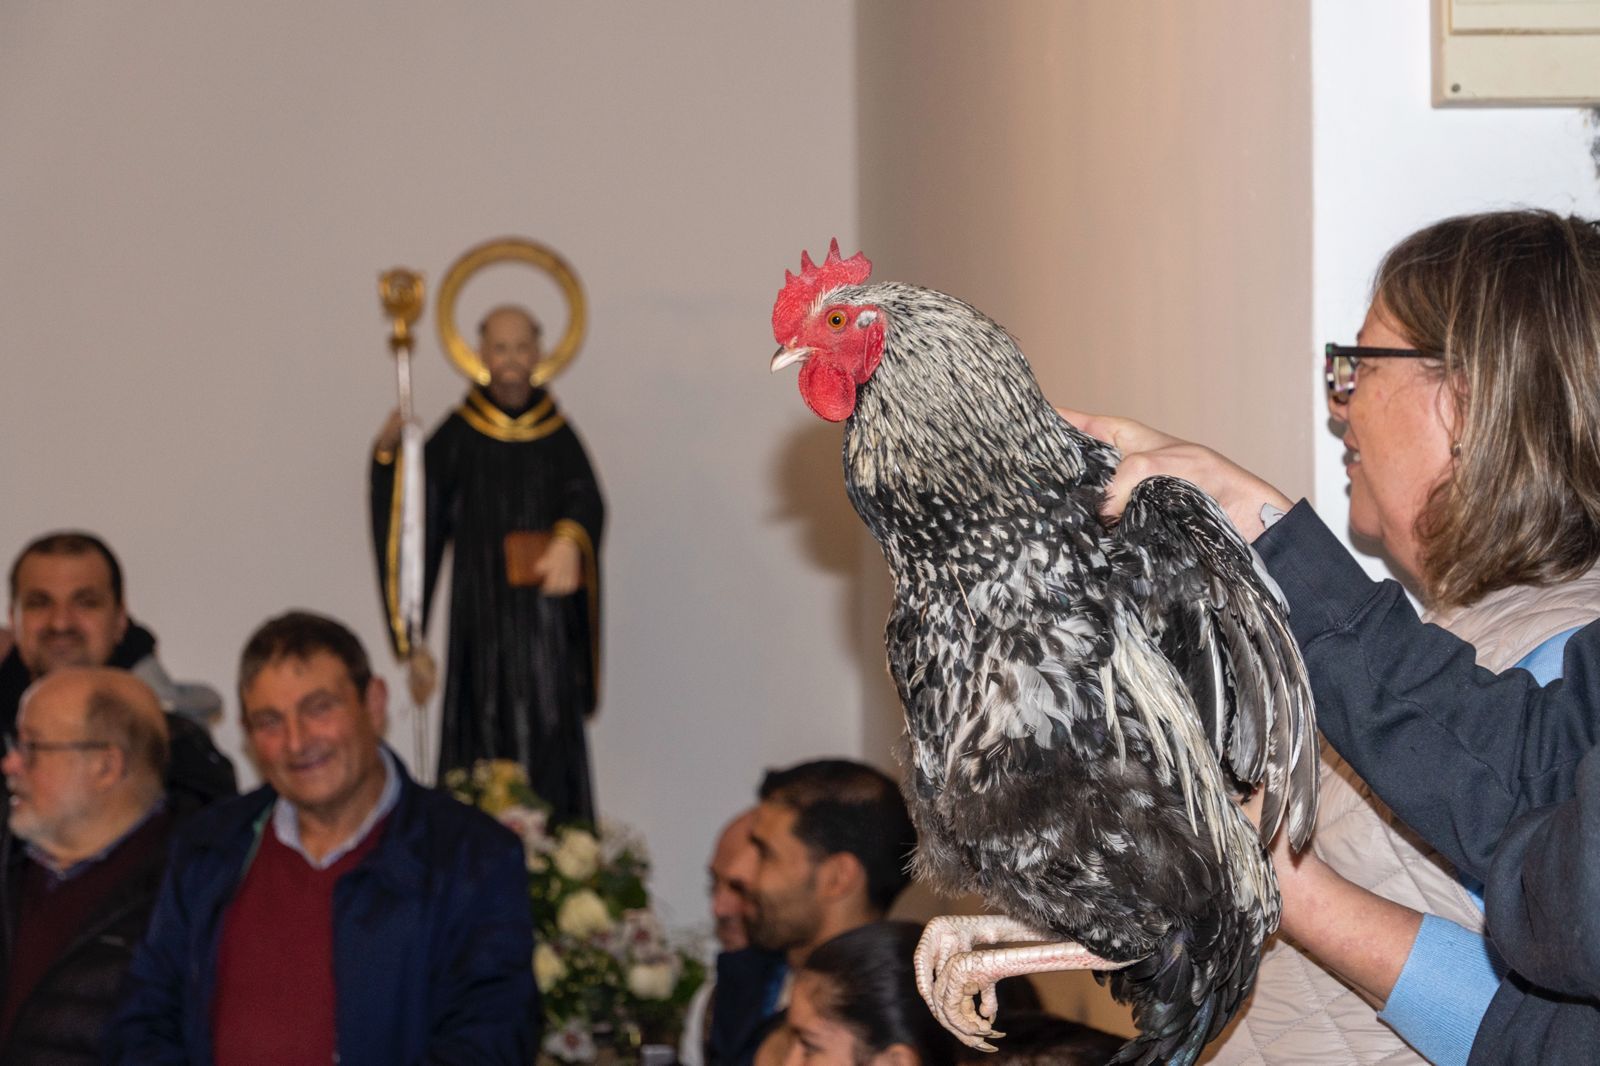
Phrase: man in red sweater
pixel 86 843
pixel 341 913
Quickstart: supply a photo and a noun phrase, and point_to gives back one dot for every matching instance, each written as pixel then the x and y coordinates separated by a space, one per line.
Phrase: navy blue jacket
pixel 433 941
pixel 744 1004
pixel 1501 776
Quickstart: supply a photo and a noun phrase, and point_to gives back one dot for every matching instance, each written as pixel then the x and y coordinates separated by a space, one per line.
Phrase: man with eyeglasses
pixel 84 846
pixel 342 912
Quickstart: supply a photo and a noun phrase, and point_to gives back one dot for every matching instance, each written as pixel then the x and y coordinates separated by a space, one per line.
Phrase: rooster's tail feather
pixel 1177 1006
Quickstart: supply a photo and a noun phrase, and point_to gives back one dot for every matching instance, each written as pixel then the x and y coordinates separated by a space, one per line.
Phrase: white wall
pixel 1386 164
pixel 195 201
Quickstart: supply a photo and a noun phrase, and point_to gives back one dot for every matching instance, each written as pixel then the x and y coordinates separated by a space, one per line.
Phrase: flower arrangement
pixel 604 966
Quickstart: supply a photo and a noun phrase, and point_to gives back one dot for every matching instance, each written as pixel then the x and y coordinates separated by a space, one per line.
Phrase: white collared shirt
pixel 286 820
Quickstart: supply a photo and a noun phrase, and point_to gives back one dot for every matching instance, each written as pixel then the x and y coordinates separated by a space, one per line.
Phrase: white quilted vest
pixel 1301 1013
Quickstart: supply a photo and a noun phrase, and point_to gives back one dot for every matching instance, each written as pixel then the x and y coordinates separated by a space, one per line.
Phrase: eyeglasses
pixel 1341 361
pixel 30 749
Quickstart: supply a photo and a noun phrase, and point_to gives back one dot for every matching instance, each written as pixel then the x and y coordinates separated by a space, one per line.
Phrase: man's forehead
pixel 296 676
pixel 50 706
pixel 77 569
pixel 730 861
pixel 773 823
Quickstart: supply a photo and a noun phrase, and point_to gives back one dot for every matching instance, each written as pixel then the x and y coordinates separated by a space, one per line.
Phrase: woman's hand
pixel 1147 452
pixel 1359 935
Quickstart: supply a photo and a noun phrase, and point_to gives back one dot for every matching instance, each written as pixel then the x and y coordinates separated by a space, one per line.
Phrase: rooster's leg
pixel 950 973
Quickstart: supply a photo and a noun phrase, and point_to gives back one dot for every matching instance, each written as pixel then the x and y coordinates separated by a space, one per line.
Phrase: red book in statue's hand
pixel 524 548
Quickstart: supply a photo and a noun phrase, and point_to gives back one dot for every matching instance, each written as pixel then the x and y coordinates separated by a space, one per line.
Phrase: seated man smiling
pixel 341 912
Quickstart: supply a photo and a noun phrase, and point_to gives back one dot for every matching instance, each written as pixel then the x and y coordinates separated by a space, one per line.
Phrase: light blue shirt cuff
pixel 1547 661
pixel 1444 991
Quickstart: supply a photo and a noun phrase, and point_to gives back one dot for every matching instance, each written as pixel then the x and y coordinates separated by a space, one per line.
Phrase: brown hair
pixel 299 635
pixel 70 542
pixel 1512 299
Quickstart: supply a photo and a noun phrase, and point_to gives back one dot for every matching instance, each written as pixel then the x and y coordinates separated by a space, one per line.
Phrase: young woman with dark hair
pixel 855 1002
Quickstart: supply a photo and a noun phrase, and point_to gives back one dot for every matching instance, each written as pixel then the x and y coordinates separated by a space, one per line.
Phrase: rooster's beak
pixel 787 356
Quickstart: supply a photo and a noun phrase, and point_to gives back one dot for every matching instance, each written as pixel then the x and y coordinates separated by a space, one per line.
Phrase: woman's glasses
pixel 1340 362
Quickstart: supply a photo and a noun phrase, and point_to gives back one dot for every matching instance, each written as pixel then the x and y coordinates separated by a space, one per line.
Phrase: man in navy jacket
pixel 341 912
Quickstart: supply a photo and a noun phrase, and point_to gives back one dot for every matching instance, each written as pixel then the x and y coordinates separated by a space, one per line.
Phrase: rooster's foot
pixel 950 972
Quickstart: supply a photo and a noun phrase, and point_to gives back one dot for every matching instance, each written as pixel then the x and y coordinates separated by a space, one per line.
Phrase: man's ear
pixel 122 623
pixel 111 767
pixel 377 703
pixel 841 875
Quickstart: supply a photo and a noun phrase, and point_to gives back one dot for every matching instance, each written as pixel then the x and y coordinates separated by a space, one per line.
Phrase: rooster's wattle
pixel 1083 704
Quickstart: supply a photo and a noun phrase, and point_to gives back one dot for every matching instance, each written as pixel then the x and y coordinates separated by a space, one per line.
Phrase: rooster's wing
pixel 1222 622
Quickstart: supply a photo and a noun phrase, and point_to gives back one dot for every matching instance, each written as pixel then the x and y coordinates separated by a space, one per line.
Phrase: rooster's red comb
pixel 801 290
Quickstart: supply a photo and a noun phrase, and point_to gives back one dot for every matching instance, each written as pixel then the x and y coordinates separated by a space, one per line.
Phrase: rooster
pixel 1083 704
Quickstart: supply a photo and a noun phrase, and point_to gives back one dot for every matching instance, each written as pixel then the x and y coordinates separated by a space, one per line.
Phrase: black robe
pixel 522 673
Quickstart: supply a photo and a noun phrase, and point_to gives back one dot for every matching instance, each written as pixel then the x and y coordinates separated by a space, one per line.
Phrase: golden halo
pixel 501 250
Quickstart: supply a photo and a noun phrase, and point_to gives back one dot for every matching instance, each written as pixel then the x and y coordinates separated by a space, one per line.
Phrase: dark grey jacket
pixel 1500 775
pixel 62 1021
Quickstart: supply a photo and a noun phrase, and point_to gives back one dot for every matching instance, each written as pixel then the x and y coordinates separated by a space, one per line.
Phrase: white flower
pixel 548 969
pixel 642 935
pixel 527 823
pixel 577 855
pixel 571 1042
pixel 653 980
pixel 582 914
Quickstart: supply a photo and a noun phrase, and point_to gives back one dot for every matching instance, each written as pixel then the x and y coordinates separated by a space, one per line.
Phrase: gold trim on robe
pixel 482 415
pixel 575 532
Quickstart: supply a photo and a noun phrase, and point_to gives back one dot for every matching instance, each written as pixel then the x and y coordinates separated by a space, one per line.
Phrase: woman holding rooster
pixel 1471 410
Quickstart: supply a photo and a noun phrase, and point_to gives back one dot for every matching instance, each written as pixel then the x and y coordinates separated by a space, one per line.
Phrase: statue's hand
pixel 422 674
pixel 388 440
pixel 560 569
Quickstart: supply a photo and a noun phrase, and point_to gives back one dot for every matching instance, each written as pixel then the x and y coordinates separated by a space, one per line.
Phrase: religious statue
pixel 507 482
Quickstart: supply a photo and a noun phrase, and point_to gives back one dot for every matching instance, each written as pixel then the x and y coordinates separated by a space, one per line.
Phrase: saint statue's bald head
pixel 508 344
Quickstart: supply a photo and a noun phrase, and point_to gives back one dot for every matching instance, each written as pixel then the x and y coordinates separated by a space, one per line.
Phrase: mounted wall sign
pixel 1498 53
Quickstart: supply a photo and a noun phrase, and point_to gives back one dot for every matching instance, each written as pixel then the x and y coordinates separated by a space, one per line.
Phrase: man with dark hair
pixel 67 609
pixel 83 849
pixel 833 845
pixel 341 912
pixel 835 808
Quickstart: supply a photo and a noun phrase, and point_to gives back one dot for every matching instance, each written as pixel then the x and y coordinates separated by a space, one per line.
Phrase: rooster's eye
pixel 836 320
